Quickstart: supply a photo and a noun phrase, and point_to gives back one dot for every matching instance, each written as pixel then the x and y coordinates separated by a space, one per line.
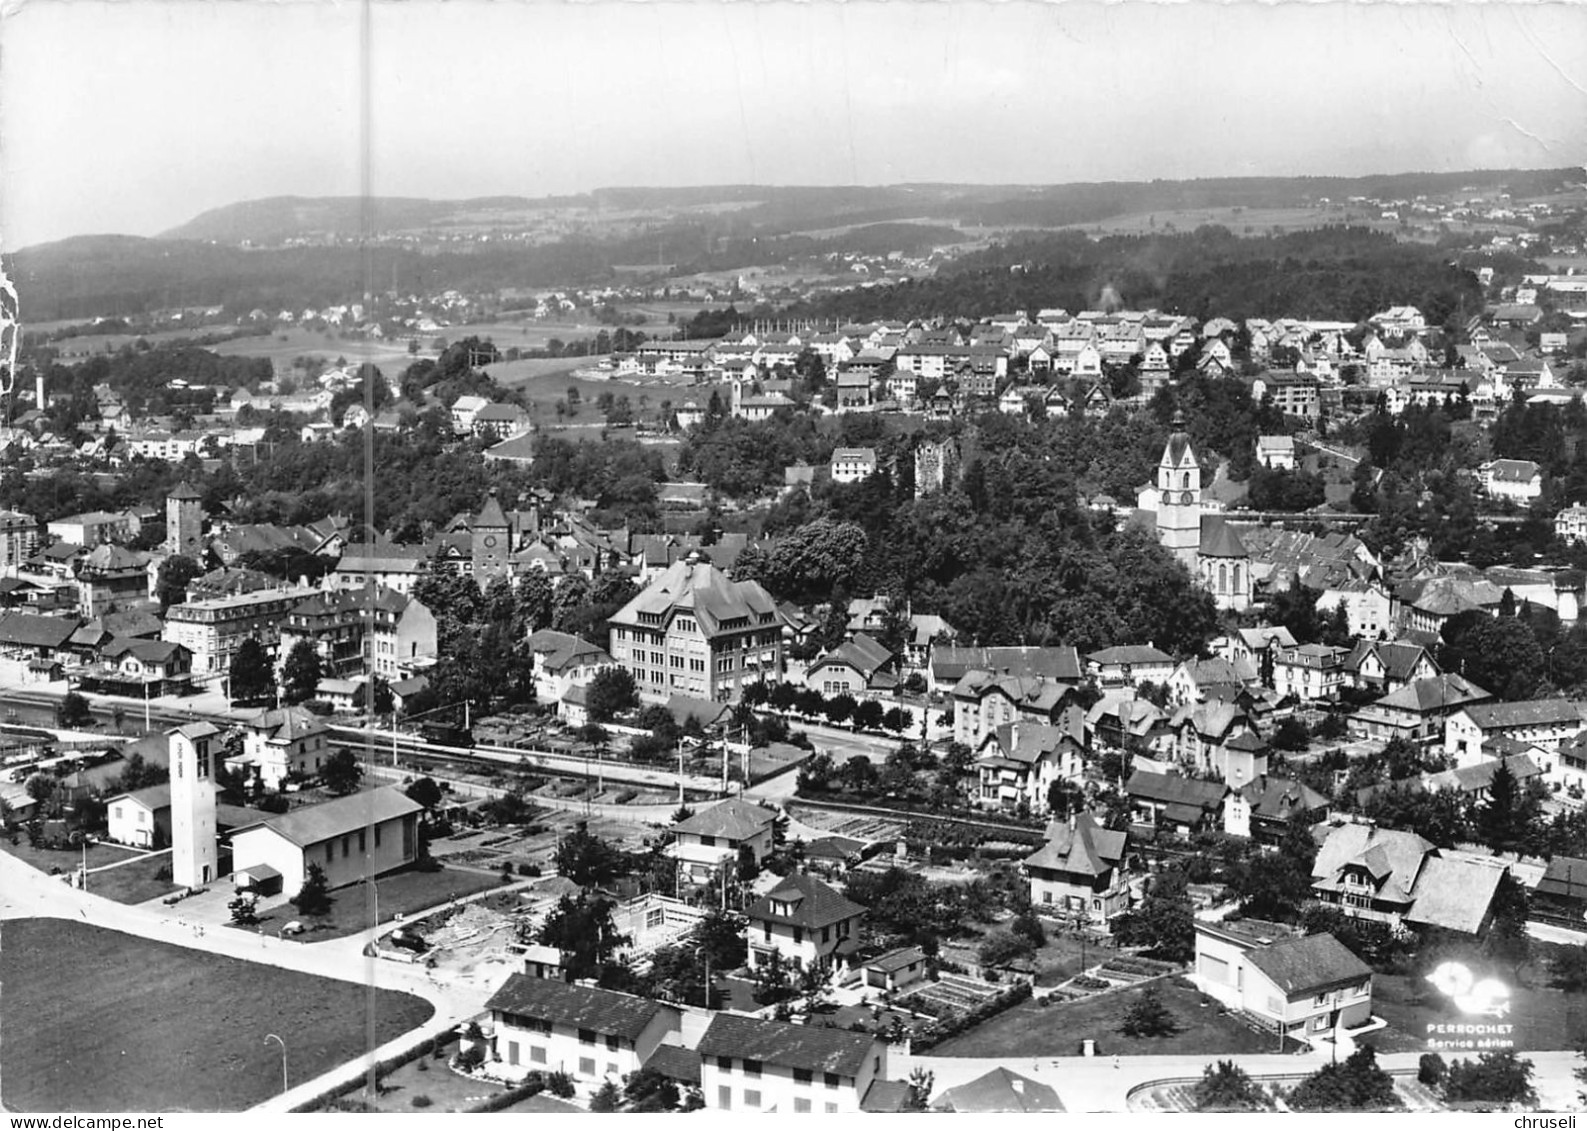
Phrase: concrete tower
pixel 195 752
pixel 184 523
pixel 492 542
pixel 1179 502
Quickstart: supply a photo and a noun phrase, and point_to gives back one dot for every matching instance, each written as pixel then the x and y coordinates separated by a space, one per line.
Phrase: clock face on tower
pixel 1185 498
pixel 490 541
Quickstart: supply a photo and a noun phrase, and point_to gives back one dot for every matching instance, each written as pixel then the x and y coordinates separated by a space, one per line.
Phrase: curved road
pixel 28 893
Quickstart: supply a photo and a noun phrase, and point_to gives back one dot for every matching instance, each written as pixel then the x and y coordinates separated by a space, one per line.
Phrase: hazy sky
pixel 136 115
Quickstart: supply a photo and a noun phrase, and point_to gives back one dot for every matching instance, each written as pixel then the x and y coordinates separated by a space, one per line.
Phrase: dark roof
pixel 314 824
pixel 1173 789
pixel 1130 654
pixel 791 1046
pixel 676 1063
pixel 36 631
pixel 814 904
pixel 1218 540
pixel 895 960
pixel 1566 878
pixel 888 1096
pixel 1081 848
pixel 735 819
pixel 949 663
pixel 582 1007
pixel 1308 965
pixel 999 1091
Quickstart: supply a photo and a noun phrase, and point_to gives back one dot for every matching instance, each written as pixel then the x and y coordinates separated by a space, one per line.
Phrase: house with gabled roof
pixel 998 1091
pixel 594 1035
pixel 282 743
pixel 1130 665
pixel 1387 666
pixel 808 923
pixel 1543 722
pixel 352 839
pixel 854 667
pixel 1305 986
pixel 1474 781
pixel 1081 871
pixel 1217 738
pixel 950 662
pixel 1561 894
pixel 1520 480
pixel 1173 803
pixel 1196 681
pixel 1392 876
pixel 747 1064
pixel 1263 809
pixel 562 660
pixel 710 840
pixel 1418 711
pixel 985 700
pixel 1020 761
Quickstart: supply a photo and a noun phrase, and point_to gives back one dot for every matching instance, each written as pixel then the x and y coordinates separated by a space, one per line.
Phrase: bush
pixel 1431 1070
pixel 471 1058
pixel 560 1084
pixel 533 1084
pixel 528 869
pixel 421 1101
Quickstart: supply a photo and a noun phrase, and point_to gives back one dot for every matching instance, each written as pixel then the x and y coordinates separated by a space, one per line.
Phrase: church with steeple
pixel 1207 545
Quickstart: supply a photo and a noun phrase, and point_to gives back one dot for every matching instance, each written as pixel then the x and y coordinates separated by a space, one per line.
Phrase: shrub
pixel 560 1084
pixel 1431 1070
pixel 471 1058
pixel 528 869
pixel 421 1101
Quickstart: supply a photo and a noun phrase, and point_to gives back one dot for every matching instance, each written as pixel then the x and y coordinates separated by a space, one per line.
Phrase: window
pixel 347 846
pixel 801 1107
pixel 377 836
pixel 586 1036
pixel 832 1109
pixel 799 935
pixel 751 1099
pixel 830 1079
pixel 724 1099
pixel 803 1075
pixel 537 1054
pixel 361 846
pixel 826 934
pixel 586 1066
pixel 725 1063
pixel 611 1068
pixel 613 1044
pixel 330 851
pixel 707 842
pixel 751 1067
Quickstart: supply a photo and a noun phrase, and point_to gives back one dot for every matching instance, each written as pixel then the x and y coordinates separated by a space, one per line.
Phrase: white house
pixel 1518 479
pixel 1545 722
pixel 142 818
pixel 278 743
pixel 594 1035
pixel 464 409
pixel 351 839
pixel 850 465
pixel 806 922
pixel 710 840
pixel 1306 987
pixel 562 661
pixel 1130 665
pixel 1570 524
pixel 772 1066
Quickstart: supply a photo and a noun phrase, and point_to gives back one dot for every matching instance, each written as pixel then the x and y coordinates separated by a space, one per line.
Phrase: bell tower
pixel 195 753
pixel 1179 497
pixel 184 523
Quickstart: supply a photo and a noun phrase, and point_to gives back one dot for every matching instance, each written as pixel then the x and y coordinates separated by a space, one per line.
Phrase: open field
pixel 101 1021
pixel 391 356
pixel 1237 220
pixel 67 859
pixel 1058 1030
pixel 406 892
pixel 134 883
pixel 1544 1019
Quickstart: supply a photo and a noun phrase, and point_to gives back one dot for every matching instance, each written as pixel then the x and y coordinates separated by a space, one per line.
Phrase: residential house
pixel 808 924
pixel 996 1092
pixel 1019 762
pixel 1130 665
pixel 1310 672
pixel 594 1035
pixel 895 970
pixel 851 465
pixel 352 839
pixel 1561 895
pixel 1545 722
pixel 1081 871
pixel 1196 681
pixel 1570 524
pixel 950 663
pixel 1218 738
pixel 141 818
pixel 501 421
pixel 141 669
pixel 562 661
pixel 710 841
pixel 1277 453
pixel 212 629
pixel 747 1064
pixel 1473 782
pixel 283 743
pixel 1519 480
pixel 854 667
pixel 1387 666
pixel 1174 803
pixel 1396 877
pixel 985 700
pixel 1263 809
pixel 1418 711
pixel 1304 986
pixel 91 529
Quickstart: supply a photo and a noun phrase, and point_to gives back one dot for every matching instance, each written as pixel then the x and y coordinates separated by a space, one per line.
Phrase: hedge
pixel 325 1100
pixel 532 1086
pixel 943 1029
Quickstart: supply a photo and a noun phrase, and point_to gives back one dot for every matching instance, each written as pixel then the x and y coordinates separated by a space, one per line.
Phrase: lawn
pixel 409 892
pixel 1544 1019
pixel 102 1021
pixel 51 860
pixel 134 883
pixel 432 1079
pixel 1058 1030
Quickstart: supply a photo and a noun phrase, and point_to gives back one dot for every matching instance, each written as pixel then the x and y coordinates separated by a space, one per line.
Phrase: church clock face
pixel 490 541
pixel 1185 499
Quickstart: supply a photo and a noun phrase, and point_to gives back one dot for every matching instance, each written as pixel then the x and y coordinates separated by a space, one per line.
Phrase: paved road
pixel 26 892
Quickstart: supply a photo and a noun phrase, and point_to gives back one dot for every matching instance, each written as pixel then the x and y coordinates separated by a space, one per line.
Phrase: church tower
pixel 1179 497
pixel 492 542
pixel 184 523
pixel 195 754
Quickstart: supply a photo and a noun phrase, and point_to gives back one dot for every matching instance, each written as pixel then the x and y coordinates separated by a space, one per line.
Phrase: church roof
pixel 1218 539
pixel 492 515
pixel 1178 453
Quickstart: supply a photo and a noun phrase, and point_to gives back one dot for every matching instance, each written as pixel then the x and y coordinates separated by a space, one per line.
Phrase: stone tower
pixel 195 753
pixel 492 542
pixel 1179 501
pixel 184 523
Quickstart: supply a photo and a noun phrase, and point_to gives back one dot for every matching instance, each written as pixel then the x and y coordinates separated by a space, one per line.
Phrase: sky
pixel 134 116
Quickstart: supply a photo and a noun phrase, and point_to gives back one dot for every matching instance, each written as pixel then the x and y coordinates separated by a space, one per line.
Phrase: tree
pixel 74 712
pixel 300 676
pixel 342 771
pixel 611 692
pixel 425 792
pixel 582 929
pixel 1494 1079
pixel 384 701
pixel 648 1090
pixel 1163 922
pixel 170 585
pixel 242 911
pixel 606 1098
pixel 1147 1016
pixel 313 898
pixel 586 859
pixel 252 681
pixel 1004 947
pixel 1356 1085
pixel 1226 1087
